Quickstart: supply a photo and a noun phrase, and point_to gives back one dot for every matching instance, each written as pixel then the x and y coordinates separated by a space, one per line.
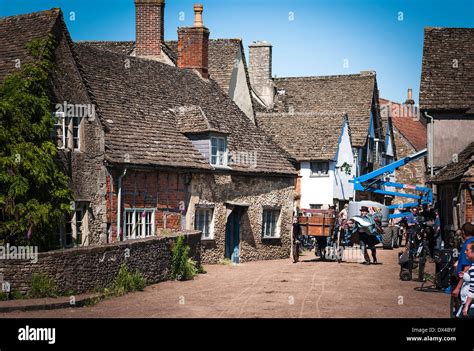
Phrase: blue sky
pixel 309 37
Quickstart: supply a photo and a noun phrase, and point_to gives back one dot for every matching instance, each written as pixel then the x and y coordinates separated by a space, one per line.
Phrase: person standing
pixel 467 290
pixel 342 223
pixel 412 221
pixel 463 263
pixel 367 235
pixel 438 238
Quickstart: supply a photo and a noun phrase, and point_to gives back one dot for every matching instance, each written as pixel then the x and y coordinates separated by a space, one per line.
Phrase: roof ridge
pixel 438 28
pixel 351 75
pixel 50 12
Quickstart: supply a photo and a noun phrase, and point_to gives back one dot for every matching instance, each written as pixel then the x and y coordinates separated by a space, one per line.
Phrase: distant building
pixel 409 136
pixel 447 97
pixel 321 146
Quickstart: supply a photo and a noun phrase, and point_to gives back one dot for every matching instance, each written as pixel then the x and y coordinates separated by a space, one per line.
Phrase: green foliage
pixel 182 266
pixel 34 193
pixel 16 295
pixel 125 282
pixel 225 261
pixel 42 286
pixel 13 295
pixel 346 168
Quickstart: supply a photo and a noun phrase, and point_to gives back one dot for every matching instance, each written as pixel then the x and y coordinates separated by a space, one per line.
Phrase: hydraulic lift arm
pixel 376 180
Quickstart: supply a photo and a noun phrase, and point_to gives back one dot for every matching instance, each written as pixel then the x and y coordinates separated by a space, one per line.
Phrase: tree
pixel 34 193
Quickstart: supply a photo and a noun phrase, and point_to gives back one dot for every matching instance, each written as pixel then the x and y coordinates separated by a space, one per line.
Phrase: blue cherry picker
pixel 376 182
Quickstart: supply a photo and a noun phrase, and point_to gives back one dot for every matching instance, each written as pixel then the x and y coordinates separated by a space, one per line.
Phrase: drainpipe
pixel 431 144
pixel 119 201
pixel 356 172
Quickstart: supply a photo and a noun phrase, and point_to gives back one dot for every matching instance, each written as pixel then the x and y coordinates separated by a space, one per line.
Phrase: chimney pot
pixel 193 45
pixel 410 100
pixel 198 9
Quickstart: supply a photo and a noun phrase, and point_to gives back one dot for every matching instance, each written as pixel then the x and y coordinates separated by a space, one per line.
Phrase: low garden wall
pixel 85 269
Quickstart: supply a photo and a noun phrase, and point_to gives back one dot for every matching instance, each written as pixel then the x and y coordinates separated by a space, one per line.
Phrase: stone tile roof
pixel 193 120
pixel 17 31
pixel 352 94
pixel 141 104
pixel 412 129
pixel 463 170
pixel 443 85
pixel 311 136
pixel 222 55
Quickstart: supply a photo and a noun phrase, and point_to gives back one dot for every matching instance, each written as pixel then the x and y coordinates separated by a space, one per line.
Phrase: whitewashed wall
pixel 343 190
pixel 316 190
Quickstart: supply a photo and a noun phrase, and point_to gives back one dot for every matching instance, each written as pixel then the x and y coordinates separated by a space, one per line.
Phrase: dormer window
pixel 219 151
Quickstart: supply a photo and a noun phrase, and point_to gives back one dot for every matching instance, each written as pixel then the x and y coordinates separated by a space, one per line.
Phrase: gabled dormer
pixel 210 139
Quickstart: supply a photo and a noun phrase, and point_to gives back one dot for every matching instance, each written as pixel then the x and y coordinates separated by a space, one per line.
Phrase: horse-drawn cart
pixel 314 228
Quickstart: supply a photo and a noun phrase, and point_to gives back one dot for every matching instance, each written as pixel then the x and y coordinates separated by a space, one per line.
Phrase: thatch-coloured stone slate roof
pixel 222 55
pixel 462 170
pixel 306 137
pixel 141 104
pixel 447 77
pixel 352 94
pixel 15 34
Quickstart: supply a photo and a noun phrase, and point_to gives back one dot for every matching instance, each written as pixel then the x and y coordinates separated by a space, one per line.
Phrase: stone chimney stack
pixel 410 100
pixel 149 21
pixel 193 45
pixel 260 71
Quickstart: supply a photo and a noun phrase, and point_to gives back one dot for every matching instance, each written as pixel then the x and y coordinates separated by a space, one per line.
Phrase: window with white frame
pixel 270 219
pixel 218 151
pixel 203 222
pixel 139 223
pixel 79 219
pixel 319 168
pixel 72 231
pixel 67 237
pixel 67 131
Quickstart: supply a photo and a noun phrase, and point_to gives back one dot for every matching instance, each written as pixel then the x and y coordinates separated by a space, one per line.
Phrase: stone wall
pixel 222 192
pixel 85 167
pixel 84 269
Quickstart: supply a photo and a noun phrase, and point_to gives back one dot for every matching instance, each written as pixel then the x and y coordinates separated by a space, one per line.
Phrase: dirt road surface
pixel 276 289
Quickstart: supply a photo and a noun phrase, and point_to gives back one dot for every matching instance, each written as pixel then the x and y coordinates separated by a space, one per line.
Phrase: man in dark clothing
pixel 364 225
pixel 412 221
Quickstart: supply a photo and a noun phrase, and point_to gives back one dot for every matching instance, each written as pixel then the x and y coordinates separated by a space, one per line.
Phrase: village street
pixel 307 289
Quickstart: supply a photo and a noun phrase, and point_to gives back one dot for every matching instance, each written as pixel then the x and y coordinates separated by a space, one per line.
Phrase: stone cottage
pixel 165 149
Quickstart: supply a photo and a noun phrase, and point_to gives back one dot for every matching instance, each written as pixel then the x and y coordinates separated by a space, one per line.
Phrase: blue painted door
pixel 232 236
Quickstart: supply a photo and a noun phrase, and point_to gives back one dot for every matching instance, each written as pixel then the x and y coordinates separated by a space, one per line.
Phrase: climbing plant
pixel 34 192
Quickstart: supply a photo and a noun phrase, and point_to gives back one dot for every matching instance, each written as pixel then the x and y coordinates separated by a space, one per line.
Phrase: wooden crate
pixel 317 225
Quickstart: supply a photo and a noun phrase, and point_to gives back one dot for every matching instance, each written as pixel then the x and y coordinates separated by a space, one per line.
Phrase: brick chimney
pixel 193 45
pixel 260 71
pixel 410 100
pixel 149 20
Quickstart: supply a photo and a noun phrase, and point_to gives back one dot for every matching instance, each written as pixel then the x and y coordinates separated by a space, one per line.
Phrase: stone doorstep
pixel 49 303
